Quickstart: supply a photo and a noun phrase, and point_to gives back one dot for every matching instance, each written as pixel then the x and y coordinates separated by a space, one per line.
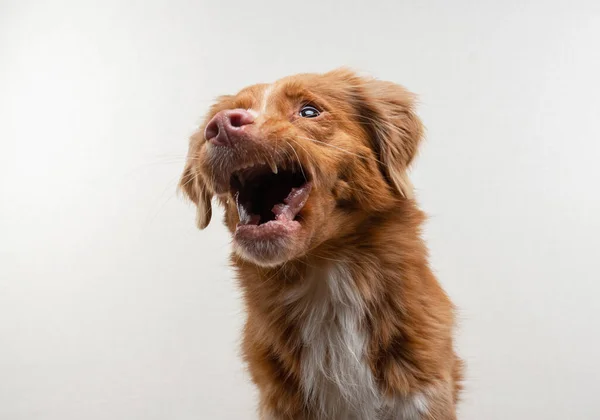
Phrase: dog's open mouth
pixel 269 200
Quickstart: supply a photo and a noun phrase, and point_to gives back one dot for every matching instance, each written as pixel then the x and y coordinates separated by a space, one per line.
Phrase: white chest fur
pixel 337 380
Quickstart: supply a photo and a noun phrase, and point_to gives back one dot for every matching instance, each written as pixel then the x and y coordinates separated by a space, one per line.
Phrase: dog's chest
pixel 336 377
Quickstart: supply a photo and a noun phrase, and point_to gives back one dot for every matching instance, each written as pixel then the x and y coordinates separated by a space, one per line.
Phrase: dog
pixel 345 319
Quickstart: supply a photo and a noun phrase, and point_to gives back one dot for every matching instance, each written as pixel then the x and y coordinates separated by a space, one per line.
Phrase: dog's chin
pixel 270 244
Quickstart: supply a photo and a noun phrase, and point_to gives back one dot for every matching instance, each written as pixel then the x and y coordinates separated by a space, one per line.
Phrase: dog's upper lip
pixel 223 164
pixel 270 164
pixel 222 178
pixel 241 170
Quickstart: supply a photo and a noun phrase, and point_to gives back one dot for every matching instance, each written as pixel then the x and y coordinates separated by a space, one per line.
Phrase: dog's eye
pixel 309 111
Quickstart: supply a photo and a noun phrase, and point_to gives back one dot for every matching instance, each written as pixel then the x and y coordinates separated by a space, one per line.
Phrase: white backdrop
pixel 113 306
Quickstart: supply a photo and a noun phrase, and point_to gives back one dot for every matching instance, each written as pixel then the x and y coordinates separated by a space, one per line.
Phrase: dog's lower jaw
pixel 271 253
pixel 268 254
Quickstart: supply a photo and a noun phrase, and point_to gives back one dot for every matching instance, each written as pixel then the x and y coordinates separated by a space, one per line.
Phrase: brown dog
pixel 345 318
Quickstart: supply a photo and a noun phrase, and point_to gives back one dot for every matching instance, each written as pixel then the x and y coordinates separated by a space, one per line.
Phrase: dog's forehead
pixel 291 87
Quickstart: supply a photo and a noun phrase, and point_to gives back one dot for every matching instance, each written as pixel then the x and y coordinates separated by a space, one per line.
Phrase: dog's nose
pixel 225 128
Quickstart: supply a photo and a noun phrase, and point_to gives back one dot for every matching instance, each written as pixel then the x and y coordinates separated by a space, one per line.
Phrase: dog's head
pixel 302 161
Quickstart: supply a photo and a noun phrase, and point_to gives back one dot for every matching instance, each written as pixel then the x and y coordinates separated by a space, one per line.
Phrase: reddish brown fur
pixel 360 211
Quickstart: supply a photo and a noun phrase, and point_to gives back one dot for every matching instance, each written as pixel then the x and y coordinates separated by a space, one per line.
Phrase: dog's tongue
pixel 292 204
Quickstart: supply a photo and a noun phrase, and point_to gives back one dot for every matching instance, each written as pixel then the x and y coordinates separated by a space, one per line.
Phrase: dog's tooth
pixel 273 166
pixel 242 213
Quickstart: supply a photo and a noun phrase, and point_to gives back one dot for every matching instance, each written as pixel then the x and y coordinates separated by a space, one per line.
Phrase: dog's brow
pixel 298 92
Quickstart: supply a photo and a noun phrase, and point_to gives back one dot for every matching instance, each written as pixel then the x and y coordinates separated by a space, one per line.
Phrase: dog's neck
pixel 375 252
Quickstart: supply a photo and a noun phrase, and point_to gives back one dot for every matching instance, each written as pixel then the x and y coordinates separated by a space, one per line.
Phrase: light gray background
pixel 112 305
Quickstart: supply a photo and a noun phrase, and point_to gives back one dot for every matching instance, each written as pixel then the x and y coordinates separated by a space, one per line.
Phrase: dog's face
pixel 303 161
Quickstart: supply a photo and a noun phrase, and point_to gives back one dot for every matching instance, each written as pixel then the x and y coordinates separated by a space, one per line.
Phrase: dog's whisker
pixel 341 149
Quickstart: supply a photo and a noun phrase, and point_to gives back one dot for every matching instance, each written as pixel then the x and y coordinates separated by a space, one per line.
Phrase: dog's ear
pixel 387 112
pixel 193 187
